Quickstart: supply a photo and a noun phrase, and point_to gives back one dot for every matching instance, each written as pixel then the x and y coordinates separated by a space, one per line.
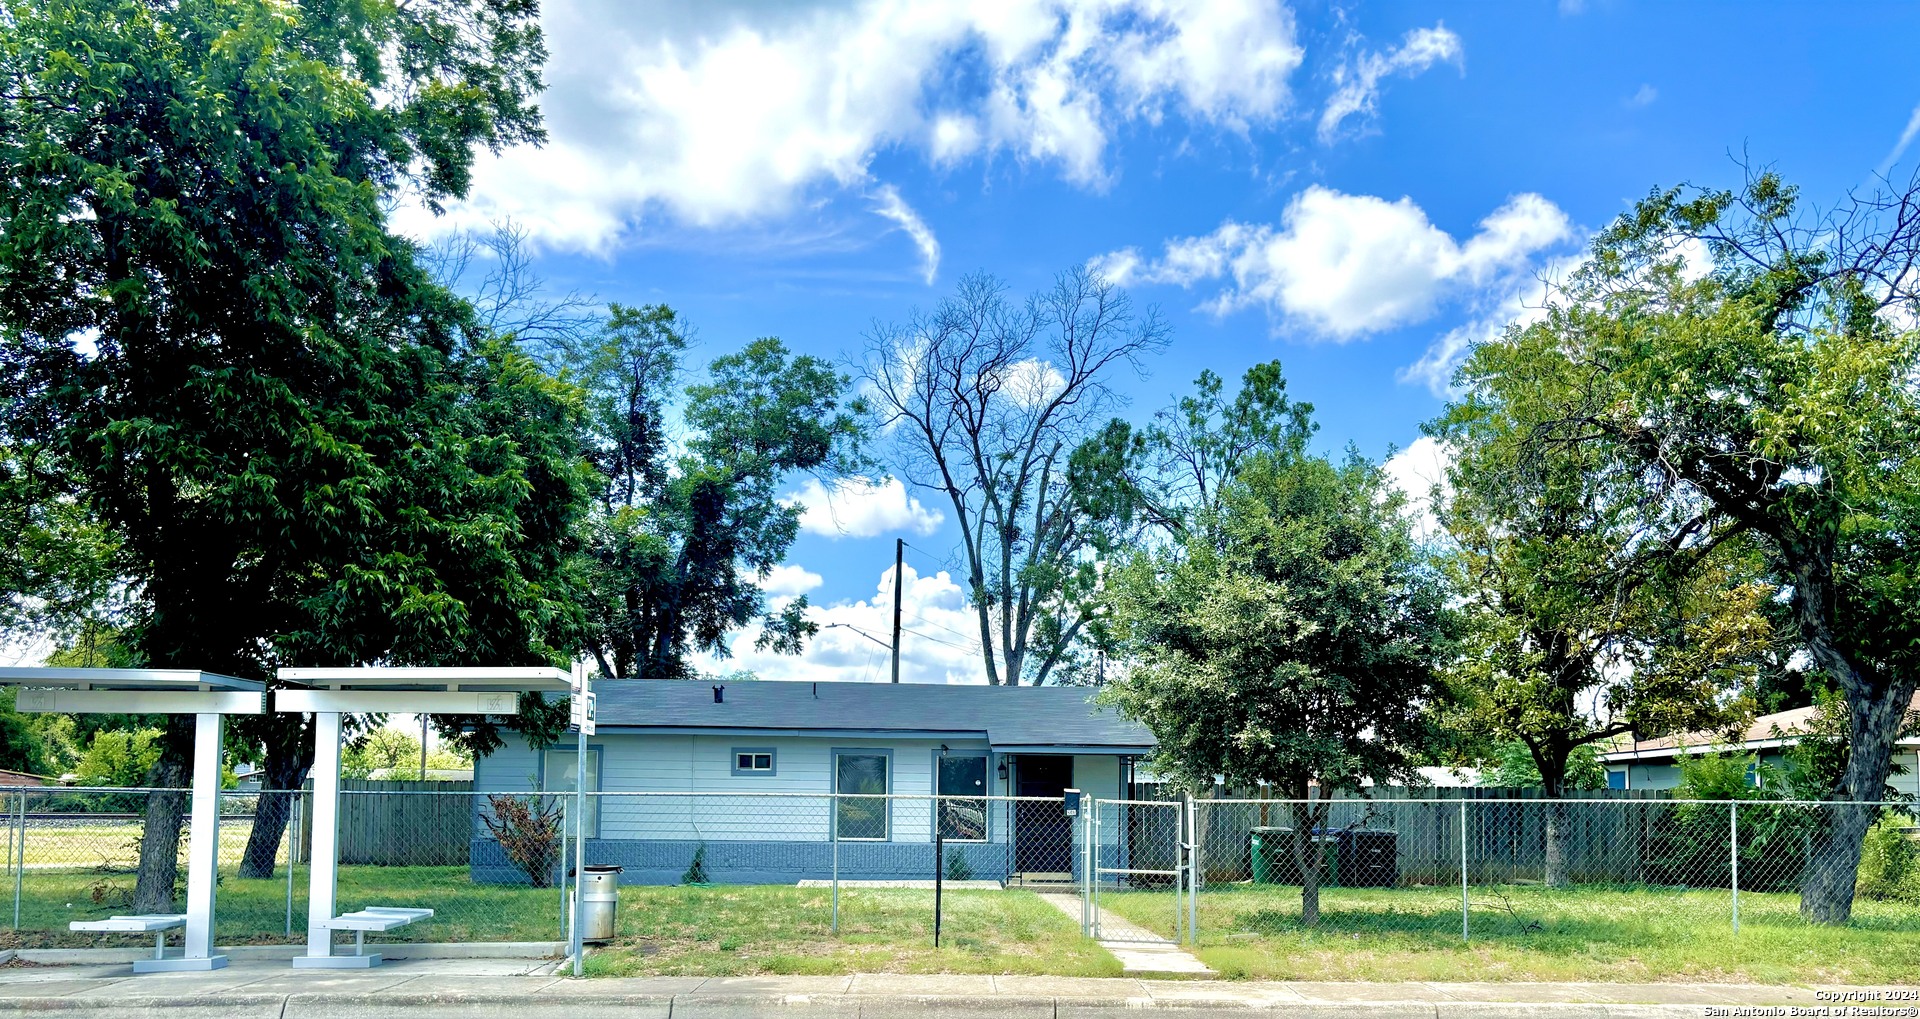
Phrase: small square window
pixel 752 761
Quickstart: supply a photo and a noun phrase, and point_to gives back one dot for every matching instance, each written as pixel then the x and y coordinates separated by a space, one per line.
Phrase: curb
pixel 433 950
pixel 842 1006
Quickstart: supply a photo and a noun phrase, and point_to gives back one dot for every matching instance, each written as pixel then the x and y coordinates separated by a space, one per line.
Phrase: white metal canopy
pixel 132 691
pixel 207 696
pixel 332 692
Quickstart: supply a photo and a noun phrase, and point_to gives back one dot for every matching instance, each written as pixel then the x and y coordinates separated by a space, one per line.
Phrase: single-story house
pixel 747 769
pixel 1654 764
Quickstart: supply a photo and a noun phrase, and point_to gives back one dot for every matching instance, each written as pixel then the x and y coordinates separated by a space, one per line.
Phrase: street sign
pixel 581 715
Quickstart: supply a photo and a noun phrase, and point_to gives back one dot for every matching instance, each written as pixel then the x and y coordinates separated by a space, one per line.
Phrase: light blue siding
pixel 669 794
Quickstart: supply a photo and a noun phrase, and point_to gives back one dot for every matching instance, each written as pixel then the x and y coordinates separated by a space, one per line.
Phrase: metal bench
pixel 378 919
pixel 156 924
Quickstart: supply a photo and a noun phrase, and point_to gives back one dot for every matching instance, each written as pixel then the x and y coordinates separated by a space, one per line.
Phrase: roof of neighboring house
pixel 1008 718
pixel 24 778
pixel 1759 735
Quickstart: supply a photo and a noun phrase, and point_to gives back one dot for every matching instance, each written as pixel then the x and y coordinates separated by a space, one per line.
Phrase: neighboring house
pixel 1653 764
pixel 721 751
pixel 22 778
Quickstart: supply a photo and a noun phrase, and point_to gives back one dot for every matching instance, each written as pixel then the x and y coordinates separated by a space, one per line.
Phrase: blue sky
pixel 1356 190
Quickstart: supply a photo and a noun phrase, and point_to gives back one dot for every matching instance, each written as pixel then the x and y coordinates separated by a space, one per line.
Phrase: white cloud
pixel 889 205
pixel 1032 382
pixel 1644 97
pixel 1900 147
pixel 852 642
pixel 716 114
pixel 1521 300
pixel 787 580
pixel 862 508
pixel 1345 265
pixel 1418 470
pixel 1357 82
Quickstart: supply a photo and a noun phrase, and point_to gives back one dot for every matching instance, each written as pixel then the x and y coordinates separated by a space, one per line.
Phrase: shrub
pixel 958 869
pixel 528 830
pixel 1889 863
pixel 697 870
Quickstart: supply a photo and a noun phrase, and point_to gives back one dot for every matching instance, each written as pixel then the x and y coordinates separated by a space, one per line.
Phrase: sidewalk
pixel 512 988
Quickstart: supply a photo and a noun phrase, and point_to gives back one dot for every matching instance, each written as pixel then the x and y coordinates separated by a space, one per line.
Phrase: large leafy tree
pixel 993 403
pixel 1289 635
pixel 1594 608
pixel 1777 393
pixel 210 341
pixel 689 516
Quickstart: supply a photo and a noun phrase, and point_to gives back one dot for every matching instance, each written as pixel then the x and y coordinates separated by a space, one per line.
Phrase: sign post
pixel 582 711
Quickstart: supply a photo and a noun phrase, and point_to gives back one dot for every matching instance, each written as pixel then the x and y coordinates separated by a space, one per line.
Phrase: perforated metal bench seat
pixel 373 918
pixel 156 924
pixel 378 918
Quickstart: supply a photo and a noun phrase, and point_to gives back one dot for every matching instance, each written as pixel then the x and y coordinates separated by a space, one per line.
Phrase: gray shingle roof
pixel 1023 716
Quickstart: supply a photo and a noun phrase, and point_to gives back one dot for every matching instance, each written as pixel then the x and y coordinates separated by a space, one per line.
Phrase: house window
pixel 1616 779
pixel 753 760
pixel 963 818
pixel 858 774
pixel 557 767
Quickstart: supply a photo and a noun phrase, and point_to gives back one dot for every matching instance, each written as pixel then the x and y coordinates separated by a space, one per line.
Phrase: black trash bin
pixel 1369 859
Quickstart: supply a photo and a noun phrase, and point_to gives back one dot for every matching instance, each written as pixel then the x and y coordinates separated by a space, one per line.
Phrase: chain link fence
pixel 497 866
pixel 1507 864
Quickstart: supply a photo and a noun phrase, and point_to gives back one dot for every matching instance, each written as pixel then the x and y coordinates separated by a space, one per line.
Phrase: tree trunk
pixel 285 771
pixel 1554 783
pixel 1307 853
pixel 159 867
pixel 1826 889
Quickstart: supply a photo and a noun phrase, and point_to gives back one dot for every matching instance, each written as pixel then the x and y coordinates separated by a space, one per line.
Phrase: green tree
pixel 120 757
pixel 1774 395
pixel 684 526
pixel 1289 636
pixel 397 753
pixel 220 353
pixel 1592 610
pixel 1512 767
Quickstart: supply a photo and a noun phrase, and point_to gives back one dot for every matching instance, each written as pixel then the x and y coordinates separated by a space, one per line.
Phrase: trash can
pixel 1369 858
pixel 599 891
pixel 1271 850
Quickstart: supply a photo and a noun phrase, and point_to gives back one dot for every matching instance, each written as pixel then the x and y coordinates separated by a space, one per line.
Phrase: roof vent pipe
pixel 719 695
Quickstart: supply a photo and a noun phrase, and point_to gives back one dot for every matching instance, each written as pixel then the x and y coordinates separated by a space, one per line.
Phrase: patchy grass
pixel 712 931
pixel 255 911
pixel 754 929
pixel 1534 933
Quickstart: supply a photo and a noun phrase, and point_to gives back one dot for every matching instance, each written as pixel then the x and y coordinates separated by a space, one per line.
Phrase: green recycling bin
pixel 1270 850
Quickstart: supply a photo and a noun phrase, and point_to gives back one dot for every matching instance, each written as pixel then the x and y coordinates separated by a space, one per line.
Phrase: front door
pixel 1042 836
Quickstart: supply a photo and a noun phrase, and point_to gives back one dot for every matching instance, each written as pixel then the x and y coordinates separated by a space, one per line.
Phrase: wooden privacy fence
pixel 402 824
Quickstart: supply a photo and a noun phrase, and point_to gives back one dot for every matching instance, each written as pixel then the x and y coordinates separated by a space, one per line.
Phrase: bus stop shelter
pixel 330 693
pixel 206 696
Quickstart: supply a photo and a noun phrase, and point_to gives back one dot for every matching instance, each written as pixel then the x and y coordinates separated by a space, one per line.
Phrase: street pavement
pixel 487 988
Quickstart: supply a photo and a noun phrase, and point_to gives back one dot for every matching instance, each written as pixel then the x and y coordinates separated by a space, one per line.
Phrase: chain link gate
pixel 1137 848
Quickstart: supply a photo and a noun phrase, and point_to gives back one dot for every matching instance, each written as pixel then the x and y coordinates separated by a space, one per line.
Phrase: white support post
pixel 577 943
pixel 322 870
pixel 203 855
pixel 1733 853
pixel 1195 872
pixel 1464 934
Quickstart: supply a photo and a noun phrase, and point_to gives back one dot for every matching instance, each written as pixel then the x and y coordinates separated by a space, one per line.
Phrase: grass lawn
pixel 255 911
pixel 715 931
pixel 1532 933
pixel 751 929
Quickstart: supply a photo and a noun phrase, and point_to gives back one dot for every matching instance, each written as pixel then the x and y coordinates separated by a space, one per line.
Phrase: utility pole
pixel 899 553
pixel 424 717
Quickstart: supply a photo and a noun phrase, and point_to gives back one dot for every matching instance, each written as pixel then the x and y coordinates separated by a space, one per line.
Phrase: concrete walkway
pixel 509 989
pixel 1141 952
